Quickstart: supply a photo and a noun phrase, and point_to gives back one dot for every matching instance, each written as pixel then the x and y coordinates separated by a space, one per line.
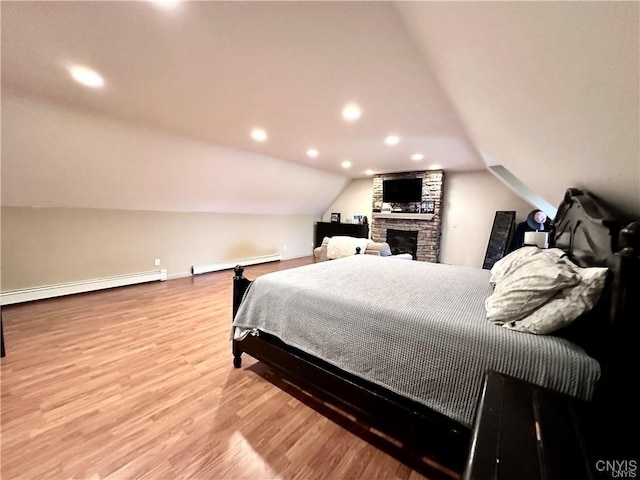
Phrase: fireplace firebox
pixel 403 241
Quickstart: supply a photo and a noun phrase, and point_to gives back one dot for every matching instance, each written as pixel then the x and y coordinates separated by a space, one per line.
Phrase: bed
pixel 383 340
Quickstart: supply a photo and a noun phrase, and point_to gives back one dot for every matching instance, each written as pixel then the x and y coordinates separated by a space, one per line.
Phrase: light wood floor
pixel 137 382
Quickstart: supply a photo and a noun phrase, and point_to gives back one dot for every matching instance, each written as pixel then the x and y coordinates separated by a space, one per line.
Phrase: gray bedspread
pixel 416 328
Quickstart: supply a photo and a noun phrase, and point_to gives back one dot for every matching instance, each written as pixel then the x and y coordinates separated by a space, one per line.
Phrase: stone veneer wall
pixel 429 231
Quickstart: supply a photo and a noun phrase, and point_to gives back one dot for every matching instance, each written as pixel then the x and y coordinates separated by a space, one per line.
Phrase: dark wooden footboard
pixel 425 440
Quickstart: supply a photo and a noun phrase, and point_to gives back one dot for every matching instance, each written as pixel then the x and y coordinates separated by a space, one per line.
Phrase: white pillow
pixel 527 284
pixel 510 262
pixel 558 252
pixel 566 306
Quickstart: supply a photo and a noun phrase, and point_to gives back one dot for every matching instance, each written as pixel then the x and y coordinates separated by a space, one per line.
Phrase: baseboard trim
pixel 216 267
pixel 70 288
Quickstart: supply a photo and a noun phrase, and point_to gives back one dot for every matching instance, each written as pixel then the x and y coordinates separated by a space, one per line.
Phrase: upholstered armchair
pixel 373 248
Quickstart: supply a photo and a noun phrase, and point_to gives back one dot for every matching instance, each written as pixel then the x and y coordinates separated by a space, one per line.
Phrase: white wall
pixel 355 199
pixel 471 200
pixel 48 246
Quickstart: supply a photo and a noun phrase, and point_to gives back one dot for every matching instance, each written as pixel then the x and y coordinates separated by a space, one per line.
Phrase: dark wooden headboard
pixel 593 235
pixel 587 232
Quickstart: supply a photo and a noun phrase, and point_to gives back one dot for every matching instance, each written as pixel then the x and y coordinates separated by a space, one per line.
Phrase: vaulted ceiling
pixel 549 90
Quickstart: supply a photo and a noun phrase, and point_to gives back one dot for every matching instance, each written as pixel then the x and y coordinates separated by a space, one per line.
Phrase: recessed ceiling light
pixel 392 140
pixel 312 152
pixel 369 172
pixel 435 166
pixel 86 76
pixel 346 164
pixel 166 3
pixel 258 134
pixel 417 157
pixel 351 112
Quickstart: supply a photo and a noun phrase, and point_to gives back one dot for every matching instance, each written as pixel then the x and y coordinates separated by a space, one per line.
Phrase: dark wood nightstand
pixel 523 432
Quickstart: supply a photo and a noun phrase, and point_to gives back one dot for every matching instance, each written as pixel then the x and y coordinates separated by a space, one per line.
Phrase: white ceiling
pixel 214 70
pixel 550 90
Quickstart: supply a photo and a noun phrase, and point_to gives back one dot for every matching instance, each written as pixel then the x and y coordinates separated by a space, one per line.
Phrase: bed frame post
pixel 626 303
pixel 240 286
pixel 621 411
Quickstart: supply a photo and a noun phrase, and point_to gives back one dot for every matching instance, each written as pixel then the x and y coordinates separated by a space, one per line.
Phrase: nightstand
pixel 524 432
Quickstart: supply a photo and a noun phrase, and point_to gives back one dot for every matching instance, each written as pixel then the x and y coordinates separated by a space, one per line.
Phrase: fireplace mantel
pixel 404 216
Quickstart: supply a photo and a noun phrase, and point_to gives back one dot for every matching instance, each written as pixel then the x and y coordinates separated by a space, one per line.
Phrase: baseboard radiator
pixel 216 267
pixel 51 291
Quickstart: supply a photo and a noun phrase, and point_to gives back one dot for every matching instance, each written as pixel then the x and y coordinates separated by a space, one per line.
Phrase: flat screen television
pixel 402 190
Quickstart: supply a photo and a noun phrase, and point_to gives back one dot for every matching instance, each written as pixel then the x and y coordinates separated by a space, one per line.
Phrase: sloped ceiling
pixel 215 70
pixel 549 90
pixel 55 156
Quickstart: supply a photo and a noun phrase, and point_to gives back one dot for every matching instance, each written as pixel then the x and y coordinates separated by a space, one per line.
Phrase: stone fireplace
pixel 427 226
